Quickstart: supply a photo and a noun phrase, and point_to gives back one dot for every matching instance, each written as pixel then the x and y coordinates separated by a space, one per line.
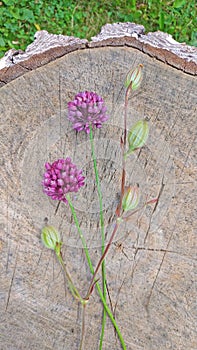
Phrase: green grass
pixel 20 20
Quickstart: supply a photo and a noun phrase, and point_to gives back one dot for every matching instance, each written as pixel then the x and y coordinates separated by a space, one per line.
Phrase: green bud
pixel 131 198
pixel 134 77
pixel 137 136
pixel 50 237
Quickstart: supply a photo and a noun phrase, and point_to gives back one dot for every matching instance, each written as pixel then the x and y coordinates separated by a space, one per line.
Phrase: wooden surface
pixel 151 265
pixel 48 47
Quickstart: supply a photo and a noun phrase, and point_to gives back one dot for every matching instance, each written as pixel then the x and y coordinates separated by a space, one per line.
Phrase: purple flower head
pixel 60 178
pixel 87 109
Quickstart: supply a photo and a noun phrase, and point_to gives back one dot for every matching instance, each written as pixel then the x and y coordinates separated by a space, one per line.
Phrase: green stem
pixel 102 234
pixel 80 234
pixel 82 327
pixel 123 152
pixel 103 256
pixel 92 271
pixel 111 317
pixel 73 289
pixel 74 292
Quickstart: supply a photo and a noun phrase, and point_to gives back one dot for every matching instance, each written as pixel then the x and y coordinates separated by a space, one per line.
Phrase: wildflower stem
pixel 75 294
pixel 103 256
pixel 92 271
pixel 73 289
pixel 80 234
pixel 82 327
pixel 102 233
pixel 151 201
pixel 123 151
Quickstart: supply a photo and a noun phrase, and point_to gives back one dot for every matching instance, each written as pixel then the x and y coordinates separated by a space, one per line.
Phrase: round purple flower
pixel 60 178
pixel 87 109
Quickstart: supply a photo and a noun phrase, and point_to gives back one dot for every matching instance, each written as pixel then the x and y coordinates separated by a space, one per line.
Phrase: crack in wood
pixel 162 250
pixel 12 279
pixel 188 153
pixel 160 266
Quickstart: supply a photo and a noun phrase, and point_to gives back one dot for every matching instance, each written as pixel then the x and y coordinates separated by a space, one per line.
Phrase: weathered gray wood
pixel 158 44
pixel 151 265
pixel 48 47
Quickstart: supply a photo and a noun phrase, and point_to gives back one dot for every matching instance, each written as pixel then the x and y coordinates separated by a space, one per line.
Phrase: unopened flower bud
pixel 137 136
pixel 50 237
pixel 131 198
pixel 134 78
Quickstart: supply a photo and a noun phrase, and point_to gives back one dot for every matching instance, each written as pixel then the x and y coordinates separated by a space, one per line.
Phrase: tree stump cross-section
pixel 152 262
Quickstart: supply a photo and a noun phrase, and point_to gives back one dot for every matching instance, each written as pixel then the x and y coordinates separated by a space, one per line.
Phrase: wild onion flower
pixel 87 109
pixel 60 178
